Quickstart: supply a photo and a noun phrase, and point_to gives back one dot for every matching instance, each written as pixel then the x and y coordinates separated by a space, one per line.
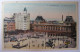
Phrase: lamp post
pixel 4 44
pixel 29 42
pixel 58 40
pixel 45 42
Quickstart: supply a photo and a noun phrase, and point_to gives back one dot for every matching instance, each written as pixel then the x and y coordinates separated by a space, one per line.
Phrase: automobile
pixel 67 42
pixel 35 37
pixel 66 46
pixel 13 39
pixel 18 46
pixel 49 44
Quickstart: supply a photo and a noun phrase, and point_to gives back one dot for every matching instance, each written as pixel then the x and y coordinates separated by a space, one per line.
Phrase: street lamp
pixel 29 43
pixel 4 44
pixel 45 42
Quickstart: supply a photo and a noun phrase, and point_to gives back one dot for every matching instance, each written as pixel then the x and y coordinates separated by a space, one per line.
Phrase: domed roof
pixel 69 19
pixel 25 9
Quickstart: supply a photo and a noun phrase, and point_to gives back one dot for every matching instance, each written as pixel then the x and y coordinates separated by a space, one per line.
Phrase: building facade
pixel 56 28
pixel 22 20
pixel 38 20
pixel 9 24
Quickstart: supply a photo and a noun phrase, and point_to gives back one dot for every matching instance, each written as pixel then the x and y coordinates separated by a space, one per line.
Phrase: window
pixel 25 18
pixel 5 25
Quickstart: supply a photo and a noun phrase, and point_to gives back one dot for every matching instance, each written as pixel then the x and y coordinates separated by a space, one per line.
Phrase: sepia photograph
pixel 40 25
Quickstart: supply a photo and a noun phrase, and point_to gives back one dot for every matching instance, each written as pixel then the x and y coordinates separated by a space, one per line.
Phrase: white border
pixel 34 51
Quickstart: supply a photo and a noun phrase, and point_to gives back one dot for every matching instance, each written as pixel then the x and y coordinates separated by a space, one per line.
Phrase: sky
pixel 49 11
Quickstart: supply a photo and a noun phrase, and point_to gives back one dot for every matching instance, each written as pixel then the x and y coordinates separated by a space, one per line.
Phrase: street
pixel 34 42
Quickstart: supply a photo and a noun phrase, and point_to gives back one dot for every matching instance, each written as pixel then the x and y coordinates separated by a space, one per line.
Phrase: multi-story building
pixel 22 20
pixel 38 20
pixel 56 28
pixel 9 24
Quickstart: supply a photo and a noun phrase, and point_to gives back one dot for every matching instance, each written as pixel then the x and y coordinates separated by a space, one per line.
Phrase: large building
pixel 56 28
pixel 22 20
pixel 9 24
pixel 38 20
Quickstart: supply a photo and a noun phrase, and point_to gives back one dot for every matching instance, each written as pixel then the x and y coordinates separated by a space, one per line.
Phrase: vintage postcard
pixel 40 25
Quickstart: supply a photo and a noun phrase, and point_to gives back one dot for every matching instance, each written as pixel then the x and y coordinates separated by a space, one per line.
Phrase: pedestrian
pixel 42 44
pixel 38 45
pixel 12 45
pixel 71 42
pixel 33 45
pixel 29 46
pixel 54 45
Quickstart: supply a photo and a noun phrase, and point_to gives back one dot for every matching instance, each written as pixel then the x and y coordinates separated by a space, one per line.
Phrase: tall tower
pixel 25 10
pixel 22 20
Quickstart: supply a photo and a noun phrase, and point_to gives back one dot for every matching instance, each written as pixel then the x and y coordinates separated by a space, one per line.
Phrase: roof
pixel 69 19
pixel 39 18
pixel 25 9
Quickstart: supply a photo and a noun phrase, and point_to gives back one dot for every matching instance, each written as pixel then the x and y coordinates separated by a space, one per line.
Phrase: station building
pixel 55 28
